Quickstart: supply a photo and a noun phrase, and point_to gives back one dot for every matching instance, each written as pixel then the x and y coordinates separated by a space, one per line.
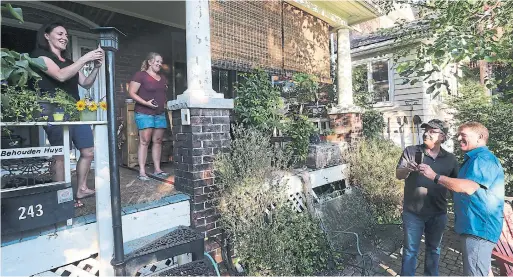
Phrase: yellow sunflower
pixel 81 105
pixel 93 106
pixel 103 105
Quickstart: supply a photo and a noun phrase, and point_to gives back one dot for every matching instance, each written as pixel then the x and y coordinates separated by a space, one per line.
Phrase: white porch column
pixel 103 204
pixel 199 91
pixel 344 69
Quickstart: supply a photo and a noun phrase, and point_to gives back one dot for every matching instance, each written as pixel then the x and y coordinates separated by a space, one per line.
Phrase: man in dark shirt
pixel 425 203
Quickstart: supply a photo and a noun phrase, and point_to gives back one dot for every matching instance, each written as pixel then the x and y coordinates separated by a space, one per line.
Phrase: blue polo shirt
pixel 481 214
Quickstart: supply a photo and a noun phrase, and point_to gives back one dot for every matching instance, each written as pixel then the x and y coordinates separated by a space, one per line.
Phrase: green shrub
pixel 299 128
pixel 269 237
pixel 472 104
pixel 373 164
pixel 20 104
pixel 258 102
pixel 373 124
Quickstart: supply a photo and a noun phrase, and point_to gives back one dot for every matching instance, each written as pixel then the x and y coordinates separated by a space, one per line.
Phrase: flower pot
pixel 47 108
pixel 58 116
pixel 87 115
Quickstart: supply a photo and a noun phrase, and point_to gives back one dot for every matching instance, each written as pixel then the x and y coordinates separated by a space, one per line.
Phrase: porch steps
pixel 86 268
pixel 151 254
pixel 196 268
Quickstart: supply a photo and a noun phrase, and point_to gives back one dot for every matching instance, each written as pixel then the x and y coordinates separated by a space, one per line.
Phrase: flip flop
pixel 161 174
pixel 143 178
pixel 78 204
pixel 87 195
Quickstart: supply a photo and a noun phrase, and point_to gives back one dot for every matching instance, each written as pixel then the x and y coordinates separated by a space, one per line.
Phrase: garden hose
pixel 213 263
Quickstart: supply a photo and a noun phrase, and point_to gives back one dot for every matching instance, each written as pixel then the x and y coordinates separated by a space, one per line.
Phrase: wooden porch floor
pixel 133 190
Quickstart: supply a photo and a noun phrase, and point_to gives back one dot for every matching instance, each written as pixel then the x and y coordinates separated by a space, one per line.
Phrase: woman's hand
pixel 96 54
pixel 151 103
pixel 98 63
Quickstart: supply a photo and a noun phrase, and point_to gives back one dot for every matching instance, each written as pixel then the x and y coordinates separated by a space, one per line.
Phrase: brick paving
pixel 450 257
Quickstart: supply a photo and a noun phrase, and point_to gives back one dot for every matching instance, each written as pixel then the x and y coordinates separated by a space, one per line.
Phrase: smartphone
pixel 154 103
pixel 419 157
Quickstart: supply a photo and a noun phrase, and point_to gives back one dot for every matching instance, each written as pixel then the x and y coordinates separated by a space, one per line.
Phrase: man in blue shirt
pixel 478 198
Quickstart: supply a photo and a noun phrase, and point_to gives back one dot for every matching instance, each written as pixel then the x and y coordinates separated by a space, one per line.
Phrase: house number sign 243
pixel 31 211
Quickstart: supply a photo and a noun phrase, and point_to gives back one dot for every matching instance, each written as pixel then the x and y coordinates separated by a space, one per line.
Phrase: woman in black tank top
pixel 63 73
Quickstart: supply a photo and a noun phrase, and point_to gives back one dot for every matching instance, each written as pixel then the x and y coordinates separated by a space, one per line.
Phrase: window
pixel 224 81
pixel 373 79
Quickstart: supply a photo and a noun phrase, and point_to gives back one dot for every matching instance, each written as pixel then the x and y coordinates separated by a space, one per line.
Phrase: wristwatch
pixel 437 177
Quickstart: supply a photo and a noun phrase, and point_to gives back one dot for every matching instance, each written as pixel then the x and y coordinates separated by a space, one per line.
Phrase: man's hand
pixel 412 166
pixel 403 172
pixel 427 171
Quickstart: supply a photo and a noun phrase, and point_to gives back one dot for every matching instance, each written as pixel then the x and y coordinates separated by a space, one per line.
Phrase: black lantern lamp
pixel 108 37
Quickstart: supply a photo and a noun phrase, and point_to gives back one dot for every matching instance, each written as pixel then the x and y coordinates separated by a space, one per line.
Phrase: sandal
pixel 143 178
pixel 87 195
pixel 78 203
pixel 161 174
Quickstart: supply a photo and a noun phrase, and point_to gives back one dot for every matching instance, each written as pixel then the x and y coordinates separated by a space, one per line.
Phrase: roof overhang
pixel 172 13
pixel 339 13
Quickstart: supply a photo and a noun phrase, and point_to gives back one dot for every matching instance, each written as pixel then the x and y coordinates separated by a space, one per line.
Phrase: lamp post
pixel 109 42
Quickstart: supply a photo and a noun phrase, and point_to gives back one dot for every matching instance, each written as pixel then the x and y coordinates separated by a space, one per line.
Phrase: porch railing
pixel 38 205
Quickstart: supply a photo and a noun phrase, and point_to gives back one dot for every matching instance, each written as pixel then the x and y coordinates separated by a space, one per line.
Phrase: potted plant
pixel 19 104
pixel 87 108
pixel 58 114
pixel 325 133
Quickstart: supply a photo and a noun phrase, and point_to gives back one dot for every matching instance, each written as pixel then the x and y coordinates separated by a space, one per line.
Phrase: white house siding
pixel 402 103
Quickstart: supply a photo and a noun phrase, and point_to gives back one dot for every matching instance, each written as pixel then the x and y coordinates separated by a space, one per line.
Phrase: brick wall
pixel 193 154
pixel 347 127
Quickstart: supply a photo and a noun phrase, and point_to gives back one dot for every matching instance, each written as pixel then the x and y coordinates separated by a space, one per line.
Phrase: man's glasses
pixel 432 132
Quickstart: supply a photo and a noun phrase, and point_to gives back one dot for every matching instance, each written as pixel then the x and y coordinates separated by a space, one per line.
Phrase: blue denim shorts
pixel 145 121
pixel 80 135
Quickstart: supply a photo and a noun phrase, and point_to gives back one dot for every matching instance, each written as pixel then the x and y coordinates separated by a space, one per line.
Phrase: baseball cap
pixel 437 124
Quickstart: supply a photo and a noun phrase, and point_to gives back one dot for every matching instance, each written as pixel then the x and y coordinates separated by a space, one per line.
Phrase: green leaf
pixel 439 53
pixel 430 89
pixel 6 73
pixel 490 59
pixel 15 12
pixel 23 64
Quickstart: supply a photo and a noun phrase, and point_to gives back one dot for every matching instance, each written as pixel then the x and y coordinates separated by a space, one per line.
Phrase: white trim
pixel 132 14
pixel 35 26
pixel 60 248
pixel 60 11
pixel 323 14
pixel 391 87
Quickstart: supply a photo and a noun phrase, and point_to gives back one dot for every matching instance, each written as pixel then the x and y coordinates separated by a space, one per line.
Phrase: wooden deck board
pixel 133 190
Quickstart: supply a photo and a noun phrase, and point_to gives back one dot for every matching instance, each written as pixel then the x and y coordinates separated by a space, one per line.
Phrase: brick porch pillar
pixel 201 126
pixel 345 118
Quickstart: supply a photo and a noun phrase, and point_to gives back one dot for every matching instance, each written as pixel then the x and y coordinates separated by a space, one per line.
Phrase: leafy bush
pixel 373 164
pixel 496 114
pixel 304 91
pixel 19 104
pixel 259 105
pixel 270 238
pixel 299 128
pixel 373 124
pixel 258 102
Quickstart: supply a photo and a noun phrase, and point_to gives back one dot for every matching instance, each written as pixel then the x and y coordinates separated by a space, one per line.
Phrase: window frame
pixel 370 82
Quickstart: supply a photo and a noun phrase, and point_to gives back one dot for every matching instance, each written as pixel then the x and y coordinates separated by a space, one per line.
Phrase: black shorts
pixel 80 135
